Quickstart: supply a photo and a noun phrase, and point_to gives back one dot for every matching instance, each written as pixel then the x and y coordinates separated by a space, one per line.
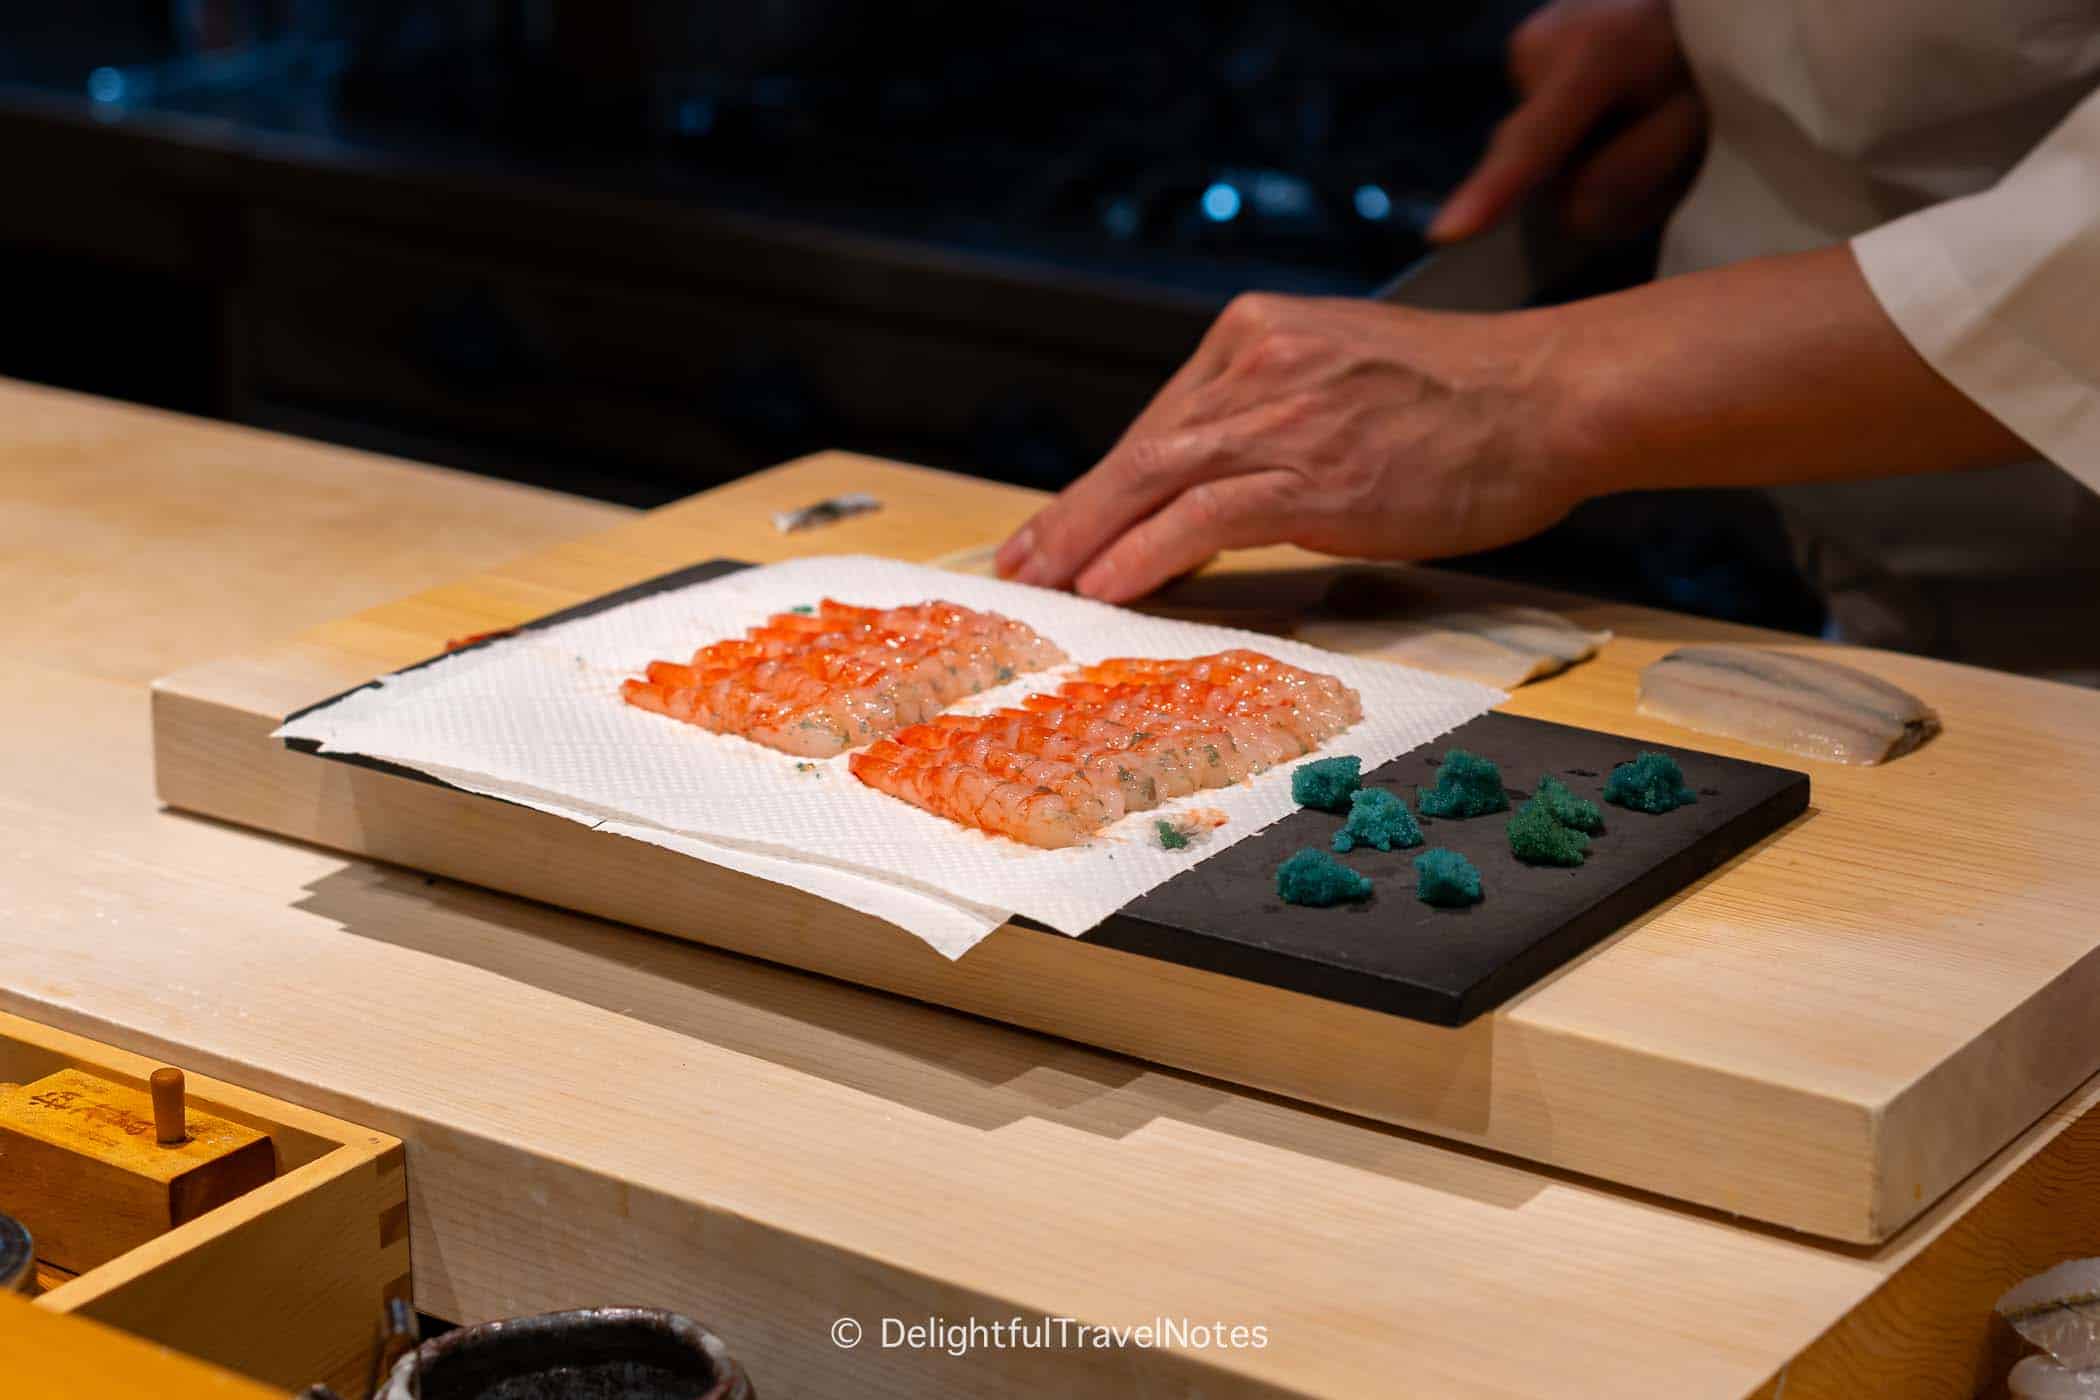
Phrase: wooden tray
pixel 1391 953
pixel 284 1283
pixel 1827 1032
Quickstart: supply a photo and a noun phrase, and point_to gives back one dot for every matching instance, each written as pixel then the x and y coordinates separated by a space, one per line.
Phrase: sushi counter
pixel 1792 1131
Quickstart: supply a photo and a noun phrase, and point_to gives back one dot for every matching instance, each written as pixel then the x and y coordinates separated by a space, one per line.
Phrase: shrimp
pixel 1034 814
pixel 1123 736
pixel 817 683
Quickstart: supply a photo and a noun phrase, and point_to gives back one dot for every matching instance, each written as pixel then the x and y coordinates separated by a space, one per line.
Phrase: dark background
pixel 633 248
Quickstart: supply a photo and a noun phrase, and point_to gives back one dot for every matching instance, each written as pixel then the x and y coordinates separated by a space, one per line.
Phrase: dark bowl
pixel 587 1354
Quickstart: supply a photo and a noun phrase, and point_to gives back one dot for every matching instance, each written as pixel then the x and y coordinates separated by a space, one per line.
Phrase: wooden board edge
pixel 1929 1328
pixel 1918 1167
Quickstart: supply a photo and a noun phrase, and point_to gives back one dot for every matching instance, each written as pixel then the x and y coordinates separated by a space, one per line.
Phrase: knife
pixel 1512 265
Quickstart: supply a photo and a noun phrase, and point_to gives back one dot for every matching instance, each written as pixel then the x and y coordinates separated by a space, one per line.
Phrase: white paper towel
pixel 539 720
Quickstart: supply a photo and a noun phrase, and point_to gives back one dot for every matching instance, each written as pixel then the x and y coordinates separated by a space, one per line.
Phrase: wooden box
pixel 285 1282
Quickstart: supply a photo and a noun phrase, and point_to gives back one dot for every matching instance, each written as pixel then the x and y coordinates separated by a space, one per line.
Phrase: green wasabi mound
pixel 1377 818
pixel 1326 783
pixel 1171 837
pixel 1567 809
pixel 1536 837
pixel 1652 783
pixel 1314 877
pixel 1467 785
pixel 1446 879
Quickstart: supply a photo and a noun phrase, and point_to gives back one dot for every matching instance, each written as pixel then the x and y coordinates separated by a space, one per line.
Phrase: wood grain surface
pixel 594 1114
pixel 1827 1033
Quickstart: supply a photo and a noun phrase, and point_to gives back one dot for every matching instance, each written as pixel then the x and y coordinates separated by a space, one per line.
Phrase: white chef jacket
pixel 1956 143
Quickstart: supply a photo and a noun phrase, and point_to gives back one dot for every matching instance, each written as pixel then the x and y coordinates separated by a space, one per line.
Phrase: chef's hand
pixel 1358 428
pixel 1349 427
pixel 1578 64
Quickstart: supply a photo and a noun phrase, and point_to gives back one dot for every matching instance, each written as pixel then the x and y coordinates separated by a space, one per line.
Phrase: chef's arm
pixel 2000 292
pixel 1766 372
pixel 1964 334
pixel 1358 428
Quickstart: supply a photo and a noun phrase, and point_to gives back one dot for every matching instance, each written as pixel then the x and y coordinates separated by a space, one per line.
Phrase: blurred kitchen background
pixel 632 248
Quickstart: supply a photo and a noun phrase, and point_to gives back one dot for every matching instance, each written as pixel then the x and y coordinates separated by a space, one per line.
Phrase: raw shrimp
pixel 1123 736
pixel 818 683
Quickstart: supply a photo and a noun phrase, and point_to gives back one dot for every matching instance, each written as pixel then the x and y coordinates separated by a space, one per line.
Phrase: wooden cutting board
pixel 1390 952
pixel 1827 1032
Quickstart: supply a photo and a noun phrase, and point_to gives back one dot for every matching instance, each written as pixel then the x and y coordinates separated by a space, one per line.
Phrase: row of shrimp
pixel 1121 736
pixel 818 683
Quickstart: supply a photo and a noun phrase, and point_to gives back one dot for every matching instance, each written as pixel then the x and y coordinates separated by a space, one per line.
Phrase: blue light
pixel 1282 196
pixel 696 116
pixel 106 85
pixel 1373 202
pixel 1221 203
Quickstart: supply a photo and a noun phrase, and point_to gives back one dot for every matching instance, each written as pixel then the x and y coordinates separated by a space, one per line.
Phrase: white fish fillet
pixel 1817 709
pixel 1504 647
pixel 2059 1311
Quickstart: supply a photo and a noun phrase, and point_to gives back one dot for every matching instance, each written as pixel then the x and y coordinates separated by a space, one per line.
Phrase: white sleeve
pixel 2000 292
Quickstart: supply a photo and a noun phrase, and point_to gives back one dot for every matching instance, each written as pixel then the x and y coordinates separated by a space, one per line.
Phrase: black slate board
pixel 1392 953
pixel 1395 954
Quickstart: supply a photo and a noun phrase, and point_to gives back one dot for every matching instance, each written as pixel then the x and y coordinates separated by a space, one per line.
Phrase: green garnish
pixel 1446 879
pixel 1567 809
pixel 1652 783
pixel 1316 878
pixel 1467 785
pixel 1326 783
pixel 1377 818
pixel 1537 837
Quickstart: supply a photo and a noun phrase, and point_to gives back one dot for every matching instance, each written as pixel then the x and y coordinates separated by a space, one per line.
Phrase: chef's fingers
pixel 1528 148
pixel 1151 461
pixel 1021 546
pixel 1623 186
pixel 1540 43
pixel 1143 473
pixel 1234 512
pixel 1056 540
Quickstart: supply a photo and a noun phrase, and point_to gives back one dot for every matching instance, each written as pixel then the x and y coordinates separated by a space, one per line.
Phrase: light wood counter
pixel 595 1114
